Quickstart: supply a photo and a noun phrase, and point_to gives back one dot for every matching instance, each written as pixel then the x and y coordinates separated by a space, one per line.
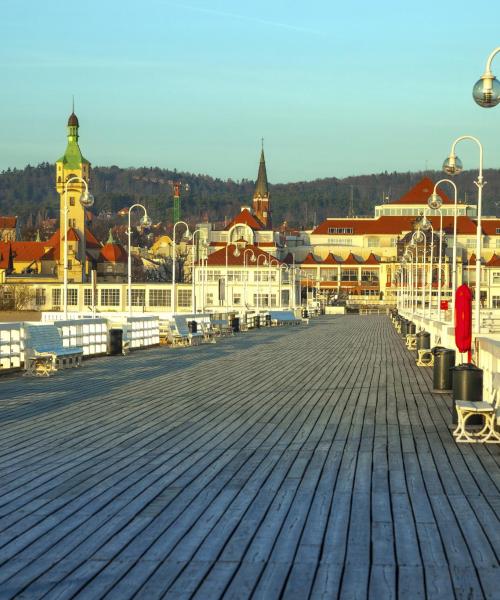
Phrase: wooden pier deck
pixel 296 463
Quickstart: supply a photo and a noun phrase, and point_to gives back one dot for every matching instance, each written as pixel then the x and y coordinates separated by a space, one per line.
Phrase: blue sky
pixel 335 88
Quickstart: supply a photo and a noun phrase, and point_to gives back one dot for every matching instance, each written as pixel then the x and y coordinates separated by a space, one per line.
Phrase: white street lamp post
pixel 453 166
pixel 174 258
pixel 145 221
pixel 193 274
pixel 248 251
pixel 264 263
pixel 236 252
pixel 486 91
pixel 86 200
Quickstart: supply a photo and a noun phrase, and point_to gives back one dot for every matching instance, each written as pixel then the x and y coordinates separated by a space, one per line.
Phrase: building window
pixel 373 242
pixel 184 298
pixel 261 300
pixel 497 231
pixel 56 297
pixel 340 230
pixel 471 243
pixel 495 301
pixel 138 297
pixel 160 298
pixel 72 201
pixel 110 297
pixel 349 275
pixel 236 298
pixel 87 297
pixel 328 274
pixel 340 241
pixel 40 297
pixel 496 277
pixel 210 299
pixel 369 275
pixel 72 297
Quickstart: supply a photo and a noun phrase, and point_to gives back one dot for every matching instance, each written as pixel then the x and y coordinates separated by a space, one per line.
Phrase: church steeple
pixel 261 205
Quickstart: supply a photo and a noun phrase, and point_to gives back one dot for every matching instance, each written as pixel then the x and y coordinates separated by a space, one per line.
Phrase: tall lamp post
pixel 253 259
pixel 86 200
pixel 486 91
pixel 426 226
pixel 453 166
pixel 174 258
pixel 264 263
pixel 193 274
pixel 236 252
pixel 146 222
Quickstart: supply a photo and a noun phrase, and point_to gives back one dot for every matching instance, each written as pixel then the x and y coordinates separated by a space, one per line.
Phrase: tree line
pixel 30 194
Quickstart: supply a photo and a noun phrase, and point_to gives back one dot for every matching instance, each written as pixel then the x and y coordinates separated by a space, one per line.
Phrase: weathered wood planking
pixel 308 462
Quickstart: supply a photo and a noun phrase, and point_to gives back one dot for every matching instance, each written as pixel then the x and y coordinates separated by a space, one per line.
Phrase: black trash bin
pixel 423 340
pixel 444 361
pixel 305 313
pixel 115 341
pixel 193 326
pixel 467 383
pixel 411 328
pixel 268 320
pixel 257 320
pixel 404 328
pixel 235 324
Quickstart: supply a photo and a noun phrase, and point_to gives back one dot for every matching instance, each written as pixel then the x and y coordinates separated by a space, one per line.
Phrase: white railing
pixel 489 361
pixel 10 346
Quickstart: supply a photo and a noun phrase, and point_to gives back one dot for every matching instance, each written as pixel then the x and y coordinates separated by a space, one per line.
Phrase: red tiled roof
pixel 28 251
pixel 309 260
pixel 246 217
pixel 113 253
pixel 494 261
pixel 5 255
pixel 73 235
pixel 351 260
pixel 218 258
pixel 490 226
pixel 331 260
pixel 90 240
pixel 8 222
pixel 472 260
pixel 394 225
pixel 372 260
pixel 419 194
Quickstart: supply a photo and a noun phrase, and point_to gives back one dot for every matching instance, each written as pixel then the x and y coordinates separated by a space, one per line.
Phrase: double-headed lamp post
pixel 453 166
pixel 86 200
pixel 174 257
pixel 146 222
pixel 486 91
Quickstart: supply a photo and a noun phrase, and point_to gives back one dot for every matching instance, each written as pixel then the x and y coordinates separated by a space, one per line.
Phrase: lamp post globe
pixel 435 201
pixel 453 165
pixel 87 199
pixel 486 91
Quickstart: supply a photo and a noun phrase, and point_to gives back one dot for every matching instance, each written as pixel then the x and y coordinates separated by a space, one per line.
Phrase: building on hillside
pixel 356 258
pixel 8 229
pixel 251 225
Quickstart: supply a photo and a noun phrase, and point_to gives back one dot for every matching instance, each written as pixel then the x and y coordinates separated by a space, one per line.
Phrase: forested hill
pixel 30 191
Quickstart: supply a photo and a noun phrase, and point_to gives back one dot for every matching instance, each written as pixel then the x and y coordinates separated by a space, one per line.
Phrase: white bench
pixel 283 317
pixel 44 352
pixel 181 330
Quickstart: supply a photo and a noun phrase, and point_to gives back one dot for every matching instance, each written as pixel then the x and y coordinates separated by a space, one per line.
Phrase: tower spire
pixel 261 194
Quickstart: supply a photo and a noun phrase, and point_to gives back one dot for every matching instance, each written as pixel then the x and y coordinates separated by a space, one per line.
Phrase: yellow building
pixel 72 164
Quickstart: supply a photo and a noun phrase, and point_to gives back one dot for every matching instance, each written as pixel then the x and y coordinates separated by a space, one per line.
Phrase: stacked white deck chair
pixel 44 352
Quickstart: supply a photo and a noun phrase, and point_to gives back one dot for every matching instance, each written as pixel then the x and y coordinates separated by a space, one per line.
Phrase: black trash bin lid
pixel 466 367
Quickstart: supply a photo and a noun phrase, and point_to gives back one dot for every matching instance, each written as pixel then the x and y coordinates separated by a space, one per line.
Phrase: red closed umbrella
pixel 463 320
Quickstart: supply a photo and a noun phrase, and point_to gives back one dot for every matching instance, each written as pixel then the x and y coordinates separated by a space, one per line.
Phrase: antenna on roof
pixel 262 143
pixel 73 104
